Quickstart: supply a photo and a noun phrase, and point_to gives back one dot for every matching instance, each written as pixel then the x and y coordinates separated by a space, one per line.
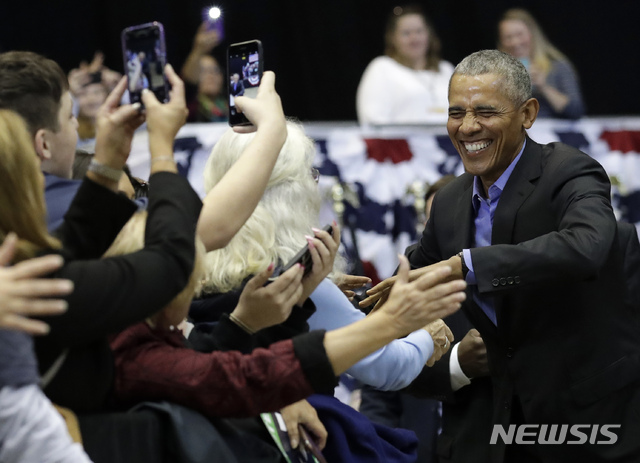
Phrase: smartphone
pixel 144 54
pixel 212 17
pixel 304 257
pixel 244 67
pixel 308 447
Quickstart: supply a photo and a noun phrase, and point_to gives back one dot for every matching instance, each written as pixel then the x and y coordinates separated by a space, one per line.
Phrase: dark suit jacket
pixel 237 89
pixel 629 243
pixel 566 344
pixel 466 413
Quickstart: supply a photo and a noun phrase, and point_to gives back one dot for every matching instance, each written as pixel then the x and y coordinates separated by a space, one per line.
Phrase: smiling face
pixel 515 38
pixel 486 128
pixel 411 38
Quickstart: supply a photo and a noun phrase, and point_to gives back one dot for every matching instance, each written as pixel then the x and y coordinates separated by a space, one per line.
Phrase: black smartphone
pixel 212 17
pixel 244 72
pixel 304 256
pixel 144 53
pixel 308 447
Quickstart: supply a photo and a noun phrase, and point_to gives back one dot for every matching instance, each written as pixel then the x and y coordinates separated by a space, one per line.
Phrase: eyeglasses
pixel 315 173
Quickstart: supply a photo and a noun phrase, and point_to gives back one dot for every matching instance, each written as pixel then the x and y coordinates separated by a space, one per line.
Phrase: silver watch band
pixel 105 171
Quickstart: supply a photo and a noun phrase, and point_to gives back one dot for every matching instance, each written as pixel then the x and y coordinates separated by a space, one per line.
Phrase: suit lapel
pixel 518 188
pixel 463 219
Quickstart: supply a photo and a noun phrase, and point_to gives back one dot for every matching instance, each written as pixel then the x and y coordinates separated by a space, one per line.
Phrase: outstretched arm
pixel 243 185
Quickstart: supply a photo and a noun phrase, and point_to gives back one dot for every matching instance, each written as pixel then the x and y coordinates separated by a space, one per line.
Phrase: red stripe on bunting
pixel 622 140
pixel 371 272
pixel 381 150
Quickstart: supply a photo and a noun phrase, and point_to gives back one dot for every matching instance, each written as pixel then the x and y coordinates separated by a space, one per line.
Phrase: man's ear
pixel 530 110
pixel 41 145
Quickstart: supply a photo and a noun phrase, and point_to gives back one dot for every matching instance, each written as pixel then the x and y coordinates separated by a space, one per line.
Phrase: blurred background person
pixel 555 81
pixel 204 80
pixel 409 84
pixel 90 83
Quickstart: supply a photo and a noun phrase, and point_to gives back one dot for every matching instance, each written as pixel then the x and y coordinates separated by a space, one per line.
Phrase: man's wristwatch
pixel 465 269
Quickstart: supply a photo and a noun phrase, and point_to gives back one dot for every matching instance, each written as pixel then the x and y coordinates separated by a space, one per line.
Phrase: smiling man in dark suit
pixel 531 229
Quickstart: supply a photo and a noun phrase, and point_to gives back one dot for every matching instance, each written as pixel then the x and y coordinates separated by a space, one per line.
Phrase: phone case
pixel 304 256
pixel 249 74
pixel 144 55
pixel 308 446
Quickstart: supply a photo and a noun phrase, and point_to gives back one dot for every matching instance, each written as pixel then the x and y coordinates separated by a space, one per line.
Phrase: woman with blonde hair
pixel 408 85
pixel 279 227
pixel 554 79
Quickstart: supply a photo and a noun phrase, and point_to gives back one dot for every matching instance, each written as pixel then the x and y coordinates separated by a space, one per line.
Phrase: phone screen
pixel 245 66
pixel 144 53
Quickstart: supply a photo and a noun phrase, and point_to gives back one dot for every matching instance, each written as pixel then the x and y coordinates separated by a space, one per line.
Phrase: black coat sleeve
pixel 113 293
pixel 95 217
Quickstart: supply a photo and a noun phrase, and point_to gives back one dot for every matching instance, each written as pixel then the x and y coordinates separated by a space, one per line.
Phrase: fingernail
pixel 136 106
pixel 293 442
pixel 310 242
pixel 270 267
pixel 66 285
pixel 62 306
pixel 57 259
pixel 317 230
pixel 300 266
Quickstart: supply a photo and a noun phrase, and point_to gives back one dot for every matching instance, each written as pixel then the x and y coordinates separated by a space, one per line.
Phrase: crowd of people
pixel 139 322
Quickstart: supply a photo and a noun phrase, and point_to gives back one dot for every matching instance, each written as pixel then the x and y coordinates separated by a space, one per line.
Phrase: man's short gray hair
pixel 517 82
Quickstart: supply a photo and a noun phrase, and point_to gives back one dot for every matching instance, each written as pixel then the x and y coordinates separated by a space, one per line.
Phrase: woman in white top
pixel 408 85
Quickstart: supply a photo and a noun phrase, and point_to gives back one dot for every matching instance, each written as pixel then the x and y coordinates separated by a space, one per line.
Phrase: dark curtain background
pixel 319 49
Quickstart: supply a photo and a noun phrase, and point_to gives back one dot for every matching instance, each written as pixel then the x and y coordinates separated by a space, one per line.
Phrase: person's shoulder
pixel 445 67
pixel 562 67
pixel 461 182
pixel 558 156
pixel 55 187
pixel 382 62
pixel 52 181
pixel 452 190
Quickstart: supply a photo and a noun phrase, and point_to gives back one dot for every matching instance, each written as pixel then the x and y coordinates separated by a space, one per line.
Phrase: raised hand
pixel 115 126
pixel 472 355
pixel 442 339
pixel 414 304
pixel 205 40
pixel 263 306
pixel 23 294
pixel 323 248
pixel 348 283
pixel 165 120
pixel 265 109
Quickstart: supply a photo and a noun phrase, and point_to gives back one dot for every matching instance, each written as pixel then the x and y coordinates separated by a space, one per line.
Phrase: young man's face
pixel 62 144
